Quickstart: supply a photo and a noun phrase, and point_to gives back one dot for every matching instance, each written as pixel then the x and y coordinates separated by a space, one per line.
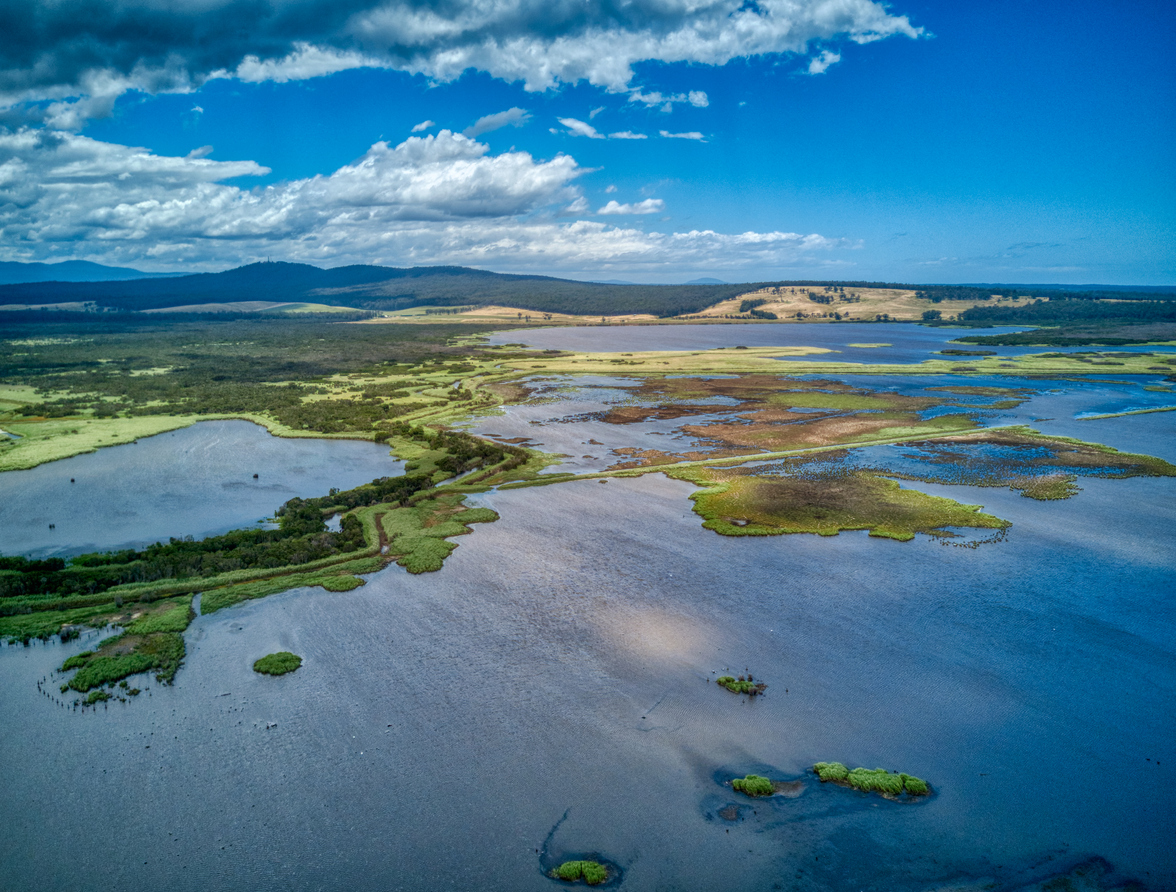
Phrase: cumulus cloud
pixel 57 59
pixel 820 64
pixel 649 206
pixel 692 134
pixel 697 98
pixel 580 128
pixel 423 126
pixel 429 200
pixel 627 134
pixel 512 117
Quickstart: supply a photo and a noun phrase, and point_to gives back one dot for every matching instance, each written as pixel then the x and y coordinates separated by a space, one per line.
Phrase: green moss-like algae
pixel 591 872
pixel 876 780
pixel 279 663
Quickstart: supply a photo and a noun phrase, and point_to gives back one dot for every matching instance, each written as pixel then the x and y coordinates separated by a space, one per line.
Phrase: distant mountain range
pixel 14 272
pixel 392 288
pixel 376 288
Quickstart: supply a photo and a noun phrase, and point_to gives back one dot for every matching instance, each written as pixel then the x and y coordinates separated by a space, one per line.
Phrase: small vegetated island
pixel 876 780
pixel 591 872
pixel 754 785
pixel 281 663
pixel 742 685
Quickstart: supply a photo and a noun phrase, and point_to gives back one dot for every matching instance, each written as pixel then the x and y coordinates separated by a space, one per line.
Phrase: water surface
pixel 196 481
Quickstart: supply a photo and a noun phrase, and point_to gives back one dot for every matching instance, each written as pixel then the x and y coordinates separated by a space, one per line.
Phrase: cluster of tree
pixel 301 537
pixel 342 416
pixel 1074 311
pixel 748 305
pixel 763 314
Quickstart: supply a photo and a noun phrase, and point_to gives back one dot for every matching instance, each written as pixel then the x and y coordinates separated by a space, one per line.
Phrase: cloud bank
pixel 429 200
pixel 73 61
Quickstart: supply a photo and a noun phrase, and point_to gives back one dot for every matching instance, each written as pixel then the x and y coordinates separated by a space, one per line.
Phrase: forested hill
pixel 378 288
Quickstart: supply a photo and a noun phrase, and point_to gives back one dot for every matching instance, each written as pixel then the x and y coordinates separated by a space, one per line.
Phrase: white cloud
pixel 649 206
pixel 627 134
pixel 579 128
pixel 592 114
pixel 430 200
pixel 71 69
pixel 423 125
pixel 821 63
pixel 610 190
pixel 697 98
pixel 512 117
pixel 693 134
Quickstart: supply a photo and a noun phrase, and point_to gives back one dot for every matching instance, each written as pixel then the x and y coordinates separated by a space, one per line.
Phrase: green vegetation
pixel 278 664
pixel 125 655
pixel 754 785
pixel 877 780
pixel 591 872
pixel 342 583
pixel 741 685
pixel 733 502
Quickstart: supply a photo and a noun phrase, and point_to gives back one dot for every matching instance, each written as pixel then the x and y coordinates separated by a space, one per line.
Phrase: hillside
pixel 377 288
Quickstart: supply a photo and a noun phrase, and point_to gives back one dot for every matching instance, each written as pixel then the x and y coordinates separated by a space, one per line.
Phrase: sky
pixel 640 140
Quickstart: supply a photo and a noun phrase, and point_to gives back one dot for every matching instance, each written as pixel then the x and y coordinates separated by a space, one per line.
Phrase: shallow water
pixel 902 342
pixel 196 481
pixel 550 689
pixel 441 725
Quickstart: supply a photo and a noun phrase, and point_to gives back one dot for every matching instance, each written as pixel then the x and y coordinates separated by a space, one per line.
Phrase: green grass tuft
pixel 278 664
pixel 753 785
pixel 591 872
pixel 877 780
pixel 342 583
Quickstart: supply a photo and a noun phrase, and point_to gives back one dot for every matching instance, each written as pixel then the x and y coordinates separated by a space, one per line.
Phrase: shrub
pixel 591 872
pixel 278 664
pixel 831 771
pixel 741 685
pixel 753 785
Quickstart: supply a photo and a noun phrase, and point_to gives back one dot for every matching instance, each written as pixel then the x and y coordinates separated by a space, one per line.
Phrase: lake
pixel 901 342
pixel 197 481
pixel 549 694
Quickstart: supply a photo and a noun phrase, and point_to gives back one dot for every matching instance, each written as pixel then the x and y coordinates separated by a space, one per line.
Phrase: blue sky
pixel 834 139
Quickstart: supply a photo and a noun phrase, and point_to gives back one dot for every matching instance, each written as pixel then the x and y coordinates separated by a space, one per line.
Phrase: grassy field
pixel 857 304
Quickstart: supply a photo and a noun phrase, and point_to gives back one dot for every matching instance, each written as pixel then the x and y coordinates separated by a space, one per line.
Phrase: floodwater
pixel 548 694
pixel 197 481
pixel 899 342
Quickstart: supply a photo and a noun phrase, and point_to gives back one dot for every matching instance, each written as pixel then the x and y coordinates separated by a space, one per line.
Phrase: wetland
pixel 478 593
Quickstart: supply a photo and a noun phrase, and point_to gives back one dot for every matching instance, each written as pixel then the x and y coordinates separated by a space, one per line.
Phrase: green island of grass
pixel 591 872
pixel 741 685
pixel 280 663
pixel 877 780
pixel 754 785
